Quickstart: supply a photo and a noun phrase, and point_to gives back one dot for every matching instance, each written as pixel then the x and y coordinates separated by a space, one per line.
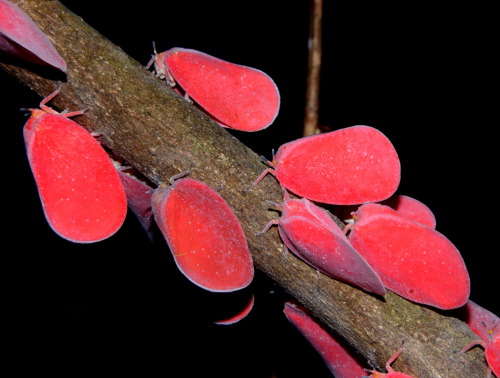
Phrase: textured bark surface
pixel 160 134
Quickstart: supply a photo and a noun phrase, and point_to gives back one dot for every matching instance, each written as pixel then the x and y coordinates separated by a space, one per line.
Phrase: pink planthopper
pixel 238 315
pixel 204 235
pixel 235 96
pixel 139 195
pixel 22 38
pixel 413 260
pixel 480 320
pixel 339 360
pixel 349 166
pixel 411 208
pixel 486 325
pixel 313 236
pixel 82 196
pixel 404 205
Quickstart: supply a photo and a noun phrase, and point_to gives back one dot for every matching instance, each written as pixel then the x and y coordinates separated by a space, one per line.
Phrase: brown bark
pixel 156 131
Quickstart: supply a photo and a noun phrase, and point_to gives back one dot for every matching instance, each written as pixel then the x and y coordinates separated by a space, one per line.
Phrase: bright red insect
pixel 338 359
pixel 413 260
pixel 480 320
pixel 486 325
pixel 312 235
pixel 204 235
pixel 349 166
pixel 82 196
pixel 237 97
pixel 390 371
pixel 404 205
pixel 240 315
pixel 412 208
pixel 22 38
pixel 138 199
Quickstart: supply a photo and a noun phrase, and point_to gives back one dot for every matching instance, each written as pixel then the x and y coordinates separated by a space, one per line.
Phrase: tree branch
pixel 160 134
pixel 313 68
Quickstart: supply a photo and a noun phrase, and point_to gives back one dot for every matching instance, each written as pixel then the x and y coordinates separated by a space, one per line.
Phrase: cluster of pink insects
pixel 390 241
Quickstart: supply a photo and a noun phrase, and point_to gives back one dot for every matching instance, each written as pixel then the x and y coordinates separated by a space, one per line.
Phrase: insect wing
pixel 480 320
pixel 21 37
pixel 338 359
pixel 412 208
pixel 414 261
pixel 349 166
pixel 237 96
pixel 204 235
pixel 323 245
pixel 138 199
pixel 240 315
pixel 82 196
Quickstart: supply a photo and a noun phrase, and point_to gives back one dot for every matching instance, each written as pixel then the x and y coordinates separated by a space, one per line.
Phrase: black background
pixel 421 74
